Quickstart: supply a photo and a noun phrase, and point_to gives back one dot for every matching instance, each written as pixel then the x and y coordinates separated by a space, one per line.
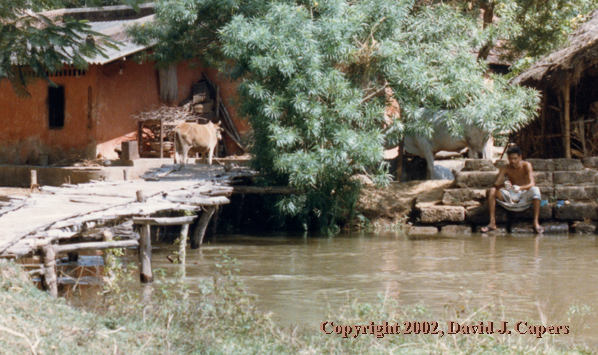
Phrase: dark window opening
pixel 56 106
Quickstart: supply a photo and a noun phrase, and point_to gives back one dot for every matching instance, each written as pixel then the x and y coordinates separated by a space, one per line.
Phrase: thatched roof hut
pixel 568 80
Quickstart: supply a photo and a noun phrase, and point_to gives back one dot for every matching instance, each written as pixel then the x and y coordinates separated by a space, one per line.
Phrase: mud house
pixel 568 81
pixel 89 112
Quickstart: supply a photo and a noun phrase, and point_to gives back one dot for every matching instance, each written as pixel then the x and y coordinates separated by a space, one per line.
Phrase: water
pixel 299 278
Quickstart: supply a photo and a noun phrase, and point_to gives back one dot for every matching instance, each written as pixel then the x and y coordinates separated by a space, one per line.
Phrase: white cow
pixel 473 137
pixel 202 137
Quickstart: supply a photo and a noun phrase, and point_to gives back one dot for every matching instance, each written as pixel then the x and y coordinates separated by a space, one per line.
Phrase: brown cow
pixel 202 137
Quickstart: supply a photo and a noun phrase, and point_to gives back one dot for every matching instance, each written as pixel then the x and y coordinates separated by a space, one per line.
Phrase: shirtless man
pixel 517 193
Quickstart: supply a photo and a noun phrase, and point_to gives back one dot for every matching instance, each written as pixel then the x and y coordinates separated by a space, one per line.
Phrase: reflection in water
pixel 298 278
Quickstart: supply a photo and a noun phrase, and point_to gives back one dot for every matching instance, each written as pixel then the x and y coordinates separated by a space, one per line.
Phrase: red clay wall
pixel 118 91
pixel 26 119
pixel 137 89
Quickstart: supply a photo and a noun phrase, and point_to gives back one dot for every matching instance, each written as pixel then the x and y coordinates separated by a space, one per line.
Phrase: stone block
pixel 476 179
pixel 581 227
pixel 456 229
pixel 463 197
pixel 541 164
pixel 564 164
pixel 500 229
pixel 574 177
pixel 570 193
pixel 500 163
pixel 543 179
pixel 591 192
pixel 590 162
pixel 423 230
pixel 576 211
pixel 437 214
pixel 545 213
pixel 546 192
pixel 129 150
pixel 479 215
pixel 549 228
pixel 478 165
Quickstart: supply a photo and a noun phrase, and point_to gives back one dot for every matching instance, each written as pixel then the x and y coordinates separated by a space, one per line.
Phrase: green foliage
pixel 315 79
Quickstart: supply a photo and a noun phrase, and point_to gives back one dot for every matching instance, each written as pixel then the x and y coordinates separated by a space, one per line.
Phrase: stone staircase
pixel 569 185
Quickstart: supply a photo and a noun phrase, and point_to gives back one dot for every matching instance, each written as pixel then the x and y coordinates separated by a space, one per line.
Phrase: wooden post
pixel 217 102
pixel 34 185
pixel 161 138
pixel 49 278
pixel 125 174
pixel 109 258
pixel 139 136
pixel 140 196
pixel 183 243
pixel 215 223
pixel 543 121
pixel 400 157
pixel 567 123
pixel 145 255
pixel 200 231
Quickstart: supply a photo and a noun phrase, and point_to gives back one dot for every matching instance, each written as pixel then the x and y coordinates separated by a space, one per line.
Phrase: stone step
pixel 582 227
pixel 415 230
pixel 546 213
pixel 549 228
pixel 479 215
pixel 456 229
pixel 430 213
pixel 500 229
pixel 590 162
pixel 561 164
pixel 463 197
pixel 576 192
pixel 485 179
pixel 586 176
pixel 478 165
pixel 577 211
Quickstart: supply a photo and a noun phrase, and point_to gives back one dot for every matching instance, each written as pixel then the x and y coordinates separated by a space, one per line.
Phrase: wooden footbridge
pixel 106 215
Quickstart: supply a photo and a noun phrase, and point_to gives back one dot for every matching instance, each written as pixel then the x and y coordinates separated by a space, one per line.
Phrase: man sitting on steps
pixel 516 194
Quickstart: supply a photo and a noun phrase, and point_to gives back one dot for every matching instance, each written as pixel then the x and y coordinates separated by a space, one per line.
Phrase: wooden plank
pixel 201 201
pixel 164 221
pixel 263 190
pixel 96 245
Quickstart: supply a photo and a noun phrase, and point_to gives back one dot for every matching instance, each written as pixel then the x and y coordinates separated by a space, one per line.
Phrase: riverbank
pixel 221 318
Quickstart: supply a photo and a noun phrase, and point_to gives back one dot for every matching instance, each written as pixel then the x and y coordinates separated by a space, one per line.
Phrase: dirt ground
pixel 391 205
pixel 13 191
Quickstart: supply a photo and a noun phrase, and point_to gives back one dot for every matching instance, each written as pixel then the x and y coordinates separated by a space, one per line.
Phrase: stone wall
pixel 569 185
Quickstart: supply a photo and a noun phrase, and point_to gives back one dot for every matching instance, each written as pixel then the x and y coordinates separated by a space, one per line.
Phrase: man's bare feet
pixel 488 228
pixel 539 229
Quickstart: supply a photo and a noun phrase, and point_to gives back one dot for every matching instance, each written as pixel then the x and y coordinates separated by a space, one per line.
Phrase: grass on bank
pixel 217 317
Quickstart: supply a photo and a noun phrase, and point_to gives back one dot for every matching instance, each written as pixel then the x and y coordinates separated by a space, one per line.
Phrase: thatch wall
pixel 568 80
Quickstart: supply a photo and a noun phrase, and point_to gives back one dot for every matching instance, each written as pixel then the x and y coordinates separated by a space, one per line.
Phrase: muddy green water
pixel 299 278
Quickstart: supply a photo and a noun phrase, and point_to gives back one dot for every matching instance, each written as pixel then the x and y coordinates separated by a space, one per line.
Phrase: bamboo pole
pixel 183 243
pixel 109 257
pixel 200 231
pixel 96 245
pixel 49 276
pixel 567 123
